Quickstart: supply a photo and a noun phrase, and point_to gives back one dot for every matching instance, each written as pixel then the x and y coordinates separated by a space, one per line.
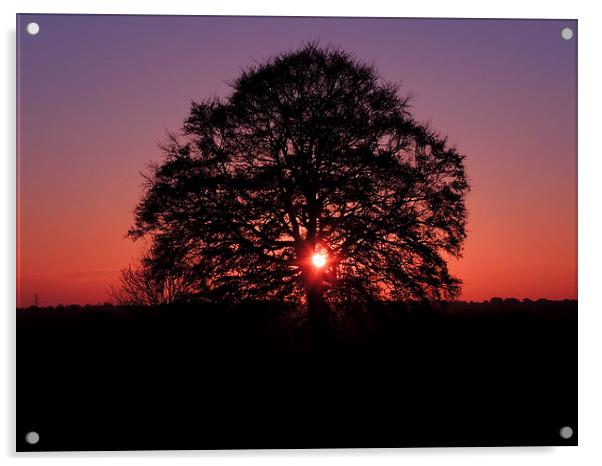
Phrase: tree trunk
pixel 319 311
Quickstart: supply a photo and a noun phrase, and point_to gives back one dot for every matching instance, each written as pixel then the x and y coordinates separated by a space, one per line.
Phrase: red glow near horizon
pixel 96 94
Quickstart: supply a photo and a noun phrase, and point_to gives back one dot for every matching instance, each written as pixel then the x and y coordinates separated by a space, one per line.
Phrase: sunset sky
pixel 96 95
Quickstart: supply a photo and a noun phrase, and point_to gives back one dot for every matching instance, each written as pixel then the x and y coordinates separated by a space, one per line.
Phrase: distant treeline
pixel 286 326
pixel 493 304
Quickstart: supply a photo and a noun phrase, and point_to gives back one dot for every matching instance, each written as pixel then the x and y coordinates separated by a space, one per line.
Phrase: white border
pixel 590 225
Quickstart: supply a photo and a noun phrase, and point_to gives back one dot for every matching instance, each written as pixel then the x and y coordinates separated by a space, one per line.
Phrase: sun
pixel 319 260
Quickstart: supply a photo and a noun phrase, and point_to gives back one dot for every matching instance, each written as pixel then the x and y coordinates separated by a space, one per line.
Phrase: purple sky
pixel 96 94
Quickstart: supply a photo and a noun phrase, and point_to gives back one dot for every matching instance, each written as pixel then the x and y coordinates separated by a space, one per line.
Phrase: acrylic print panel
pixel 261 232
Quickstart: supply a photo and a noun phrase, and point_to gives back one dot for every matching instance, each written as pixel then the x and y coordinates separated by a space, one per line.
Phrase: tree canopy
pixel 312 152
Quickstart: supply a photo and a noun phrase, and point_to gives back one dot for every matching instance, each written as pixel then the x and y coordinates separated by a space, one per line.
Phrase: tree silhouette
pixel 140 285
pixel 312 153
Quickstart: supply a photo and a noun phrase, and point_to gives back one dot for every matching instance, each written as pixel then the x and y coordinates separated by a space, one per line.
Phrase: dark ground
pixel 483 374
